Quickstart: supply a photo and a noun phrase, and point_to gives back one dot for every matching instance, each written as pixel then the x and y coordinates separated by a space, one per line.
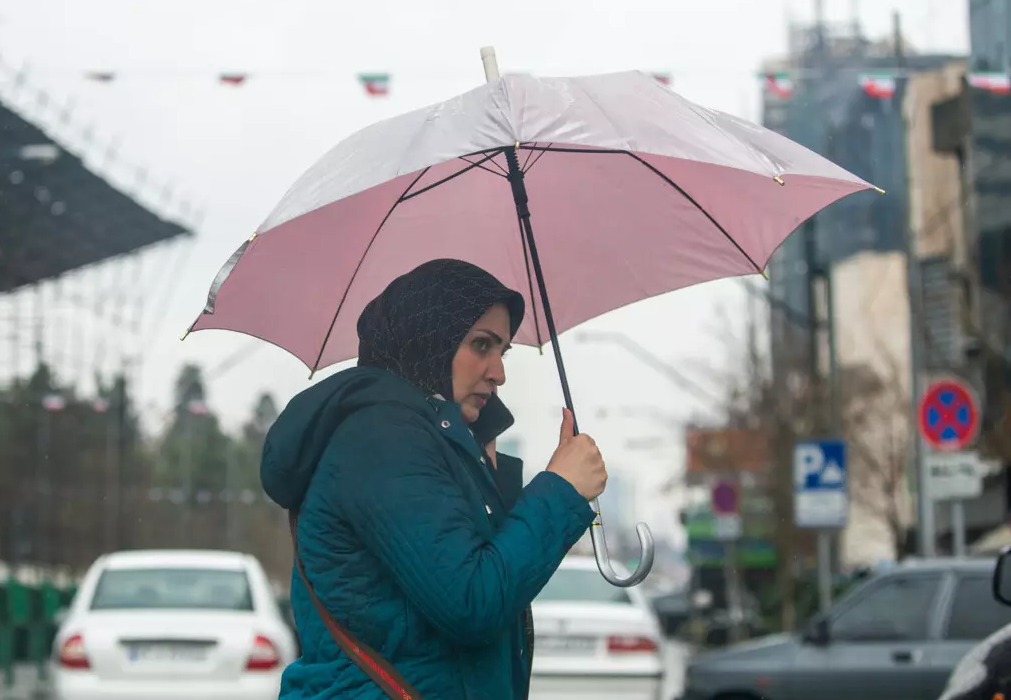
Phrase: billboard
pixel 715 452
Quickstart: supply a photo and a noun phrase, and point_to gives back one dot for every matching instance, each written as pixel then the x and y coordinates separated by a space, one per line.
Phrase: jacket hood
pixel 297 439
pixel 415 327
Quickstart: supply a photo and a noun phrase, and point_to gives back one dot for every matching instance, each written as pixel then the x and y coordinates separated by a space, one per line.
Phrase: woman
pixel 419 541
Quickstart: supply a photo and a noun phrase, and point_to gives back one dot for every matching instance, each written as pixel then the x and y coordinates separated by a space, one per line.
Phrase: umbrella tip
pixel 312 373
pixel 183 336
pixel 778 179
pixel 879 190
pixel 765 275
pixel 490 63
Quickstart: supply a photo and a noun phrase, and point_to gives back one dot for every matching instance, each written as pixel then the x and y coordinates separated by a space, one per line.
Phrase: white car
pixel 594 640
pixel 172 624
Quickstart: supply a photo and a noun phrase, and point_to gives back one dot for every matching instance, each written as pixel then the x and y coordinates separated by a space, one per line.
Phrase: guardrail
pixel 28 625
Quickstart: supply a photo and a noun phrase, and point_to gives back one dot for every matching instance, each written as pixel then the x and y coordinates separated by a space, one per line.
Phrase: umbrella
pixel 636 192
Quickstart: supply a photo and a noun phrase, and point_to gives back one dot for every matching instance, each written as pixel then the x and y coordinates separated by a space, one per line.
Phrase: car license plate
pixel 564 644
pixel 166 653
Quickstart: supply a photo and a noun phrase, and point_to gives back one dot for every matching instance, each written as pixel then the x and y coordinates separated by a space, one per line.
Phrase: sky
pixel 232 153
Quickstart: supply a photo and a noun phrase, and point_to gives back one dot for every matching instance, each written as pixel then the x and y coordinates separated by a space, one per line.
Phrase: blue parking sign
pixel 821 492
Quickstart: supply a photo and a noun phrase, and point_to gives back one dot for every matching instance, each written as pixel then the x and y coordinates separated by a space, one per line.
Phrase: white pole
pixel 490 63
pixel 824 570
pixel 957 528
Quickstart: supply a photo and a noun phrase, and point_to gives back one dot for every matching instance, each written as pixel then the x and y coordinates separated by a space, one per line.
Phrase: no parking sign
pixel 949 416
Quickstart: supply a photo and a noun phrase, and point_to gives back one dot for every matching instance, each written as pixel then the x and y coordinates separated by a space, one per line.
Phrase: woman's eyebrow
pixel 494 336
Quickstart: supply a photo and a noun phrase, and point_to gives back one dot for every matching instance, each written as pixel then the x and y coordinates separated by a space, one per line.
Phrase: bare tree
pixel 780 405
pixel 875 417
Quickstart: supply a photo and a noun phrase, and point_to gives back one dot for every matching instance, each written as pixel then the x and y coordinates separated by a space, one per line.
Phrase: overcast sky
pixel 234 151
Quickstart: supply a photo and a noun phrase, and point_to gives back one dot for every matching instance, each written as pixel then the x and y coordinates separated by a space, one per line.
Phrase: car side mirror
pixel 818 632
pixel 1002 577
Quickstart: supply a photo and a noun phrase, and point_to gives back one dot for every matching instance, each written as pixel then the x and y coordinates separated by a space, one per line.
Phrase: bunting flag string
pixel 780 84
pixel 882 85
pixel 374 84
pixel 998 83
pixel 235 79
pixel 879 86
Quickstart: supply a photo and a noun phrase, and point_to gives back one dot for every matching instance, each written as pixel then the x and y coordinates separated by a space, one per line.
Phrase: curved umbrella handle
pixel 604 560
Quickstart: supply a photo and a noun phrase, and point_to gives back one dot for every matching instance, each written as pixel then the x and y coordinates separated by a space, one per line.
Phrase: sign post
pixel 821 500
pixel 948 419
pixel 726 501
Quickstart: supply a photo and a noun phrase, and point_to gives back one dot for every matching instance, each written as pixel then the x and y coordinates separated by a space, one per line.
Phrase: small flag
pixel 997 83
pixel 376 84
pixel 197 408
pixel 881 87
pixel 53 402
pixel 662 78
pixel 235 79
pixel 100 77
pixel 780 84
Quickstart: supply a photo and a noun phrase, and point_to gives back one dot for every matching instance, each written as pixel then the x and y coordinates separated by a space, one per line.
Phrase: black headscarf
pixel 415 326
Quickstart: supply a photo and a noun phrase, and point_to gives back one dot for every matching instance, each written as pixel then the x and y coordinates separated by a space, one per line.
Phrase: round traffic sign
pixel 724 495
pixel 949 415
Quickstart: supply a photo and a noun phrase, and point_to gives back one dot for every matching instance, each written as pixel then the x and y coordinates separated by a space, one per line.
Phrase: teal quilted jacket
pixel 412 541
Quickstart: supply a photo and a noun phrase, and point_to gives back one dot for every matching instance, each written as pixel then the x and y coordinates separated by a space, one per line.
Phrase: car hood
pixel 766 650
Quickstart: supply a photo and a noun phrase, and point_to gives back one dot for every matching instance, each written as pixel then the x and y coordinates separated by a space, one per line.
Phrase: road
pixel 27 687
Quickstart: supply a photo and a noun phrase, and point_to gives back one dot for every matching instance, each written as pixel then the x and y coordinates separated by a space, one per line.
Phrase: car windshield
pixel 172 589
pixel 582 587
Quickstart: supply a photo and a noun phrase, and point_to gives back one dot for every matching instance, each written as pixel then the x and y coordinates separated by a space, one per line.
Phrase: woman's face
pixel 478 371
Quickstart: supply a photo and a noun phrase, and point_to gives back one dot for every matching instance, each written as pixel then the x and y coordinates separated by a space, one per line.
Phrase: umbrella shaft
pixel 519 190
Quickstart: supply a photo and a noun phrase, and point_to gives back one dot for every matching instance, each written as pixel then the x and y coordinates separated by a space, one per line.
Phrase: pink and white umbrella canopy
pixel 634 191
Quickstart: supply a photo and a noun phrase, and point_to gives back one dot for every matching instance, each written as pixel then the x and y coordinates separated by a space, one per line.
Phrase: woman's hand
pixel 578 461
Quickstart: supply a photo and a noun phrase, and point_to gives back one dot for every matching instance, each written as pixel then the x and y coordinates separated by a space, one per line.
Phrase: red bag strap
pixel 372 664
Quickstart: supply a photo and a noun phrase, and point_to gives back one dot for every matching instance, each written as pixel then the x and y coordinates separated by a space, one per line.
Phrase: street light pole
pixel 650 360
pixel 924 500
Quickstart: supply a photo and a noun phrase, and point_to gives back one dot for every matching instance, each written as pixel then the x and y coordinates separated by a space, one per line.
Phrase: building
pixel 990 34
pixel 845 98
pixel 841 99
pixel 937 136
pixel 971 126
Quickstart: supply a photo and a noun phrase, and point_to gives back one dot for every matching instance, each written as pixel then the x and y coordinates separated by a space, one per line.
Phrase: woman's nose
pixel 496 371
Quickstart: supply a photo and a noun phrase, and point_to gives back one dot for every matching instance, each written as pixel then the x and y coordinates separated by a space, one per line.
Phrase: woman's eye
pixel 481 344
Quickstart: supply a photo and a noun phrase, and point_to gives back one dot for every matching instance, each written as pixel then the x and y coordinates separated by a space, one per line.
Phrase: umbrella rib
pixel 487 170
pixel 697 206
pixel 563 149
pixel 663 177
pixel 530 283
pixel 529 156
pixel 539 155
pixel 446 179
pixel 403 197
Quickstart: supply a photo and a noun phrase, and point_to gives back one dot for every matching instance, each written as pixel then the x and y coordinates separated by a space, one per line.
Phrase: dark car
pixel 896 636
pixel 985 672
pixel 673 609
